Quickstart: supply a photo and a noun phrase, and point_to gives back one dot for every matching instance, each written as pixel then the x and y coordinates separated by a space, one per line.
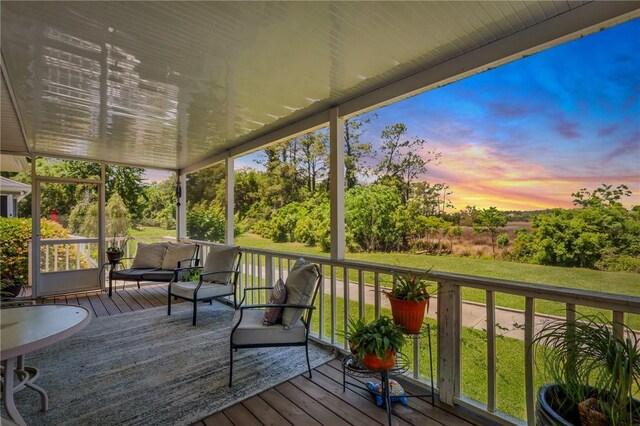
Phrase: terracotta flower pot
pixel 376 363
pixel 408 313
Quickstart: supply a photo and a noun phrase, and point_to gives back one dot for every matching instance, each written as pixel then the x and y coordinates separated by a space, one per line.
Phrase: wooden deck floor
pixel 300 401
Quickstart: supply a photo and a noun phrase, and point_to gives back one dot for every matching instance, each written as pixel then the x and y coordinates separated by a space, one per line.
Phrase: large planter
pixel 376 363
pixel 551 409
pixel 409 314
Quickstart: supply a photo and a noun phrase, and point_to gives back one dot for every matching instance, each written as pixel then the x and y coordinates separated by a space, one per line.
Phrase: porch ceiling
pixel 168 84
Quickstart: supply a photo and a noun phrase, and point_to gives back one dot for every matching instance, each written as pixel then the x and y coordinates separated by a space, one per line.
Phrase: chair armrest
pixel 188 260
pixel 186 268
pixel 276 305
pixel 257 288
pixel 219 272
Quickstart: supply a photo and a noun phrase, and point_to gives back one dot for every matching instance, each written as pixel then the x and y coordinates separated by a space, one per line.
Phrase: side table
pixel 112 266
pixel 354 368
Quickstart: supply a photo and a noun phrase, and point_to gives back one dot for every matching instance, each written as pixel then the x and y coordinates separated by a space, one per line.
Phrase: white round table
pixel 26 329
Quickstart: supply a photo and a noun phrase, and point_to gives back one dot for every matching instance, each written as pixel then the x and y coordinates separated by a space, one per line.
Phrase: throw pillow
pixel 149 256
pixel 176 253
pixel 220 258
pixel 278 296
pixel 300 286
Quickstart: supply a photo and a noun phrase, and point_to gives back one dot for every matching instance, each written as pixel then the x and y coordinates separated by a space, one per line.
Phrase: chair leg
pixel 210 301
pixel 195 310
pixel 306 349
pixel 169 305
pixel 231 363
pixel 138 284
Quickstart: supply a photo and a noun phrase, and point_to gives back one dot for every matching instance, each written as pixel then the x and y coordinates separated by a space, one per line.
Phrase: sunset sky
pixel 526 135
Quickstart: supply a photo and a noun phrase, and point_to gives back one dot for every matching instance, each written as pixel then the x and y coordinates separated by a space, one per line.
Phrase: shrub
pixel 15 234
pixel 503 240
pixel 613 262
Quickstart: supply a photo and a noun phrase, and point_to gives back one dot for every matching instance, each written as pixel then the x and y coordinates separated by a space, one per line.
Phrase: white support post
pixel 102 216
pixel 181 207
pixel 35 280
pixel 336 181
pixel 449 343
pixel 229 203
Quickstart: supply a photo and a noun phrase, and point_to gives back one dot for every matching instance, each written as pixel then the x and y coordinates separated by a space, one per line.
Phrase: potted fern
pixel 596 373
pixel 376 343
pixel 409 298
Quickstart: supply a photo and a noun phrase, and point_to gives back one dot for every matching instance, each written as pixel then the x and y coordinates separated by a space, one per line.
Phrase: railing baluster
pixel 259 279
pixel 347 302
pixel 361 295
pixel 55 257
pixel 491 351
pixel 46 258
pixel 268 265
pixel 618 324
pixel 376 295
pixel 529 379
pixel 79 251
pixel 321 305
pixel 66 256
pixel 333 304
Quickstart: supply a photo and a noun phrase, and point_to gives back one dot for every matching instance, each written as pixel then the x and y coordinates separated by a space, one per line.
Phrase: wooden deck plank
pixel 318 411
pixel 153 297
pixel 239 415
pixel 267 415
pixel 128 298
pixel 97 305
pixel 83 300
pixel 329 400
pixel 362 402
pixel 294 414
pixel 140 299
pixel 109 304
pixel 218 419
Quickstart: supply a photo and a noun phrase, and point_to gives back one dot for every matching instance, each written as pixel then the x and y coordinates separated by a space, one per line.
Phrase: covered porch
pixel 184 86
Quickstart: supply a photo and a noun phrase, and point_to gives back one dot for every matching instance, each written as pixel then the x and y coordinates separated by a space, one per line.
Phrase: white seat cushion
pixel 250 331
pixel 207 290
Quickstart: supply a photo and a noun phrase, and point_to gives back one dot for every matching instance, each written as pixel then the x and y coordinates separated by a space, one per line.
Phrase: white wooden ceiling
pixel 168 84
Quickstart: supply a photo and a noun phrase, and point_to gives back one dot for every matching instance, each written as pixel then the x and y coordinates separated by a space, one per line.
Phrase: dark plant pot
pixel 12 291
pixel 113 257
pixel 553 410
pixel 409 314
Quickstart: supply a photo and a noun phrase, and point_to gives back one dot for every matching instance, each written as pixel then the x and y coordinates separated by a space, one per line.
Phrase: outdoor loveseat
pixel 158 262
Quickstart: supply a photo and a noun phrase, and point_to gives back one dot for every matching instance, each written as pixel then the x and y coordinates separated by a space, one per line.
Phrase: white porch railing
pixel 352 288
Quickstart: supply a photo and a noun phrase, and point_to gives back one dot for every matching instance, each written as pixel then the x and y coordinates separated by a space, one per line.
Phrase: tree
pixel 314 156
pixel 354 149
pixel 401 162
pixel 490 220
pixel 604 196
pixel 433 197
pixel 118 218
pixel 369 216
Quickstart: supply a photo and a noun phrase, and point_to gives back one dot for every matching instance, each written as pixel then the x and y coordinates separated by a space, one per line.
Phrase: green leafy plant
pixel 377 337
pixel 410 286
pixel 588 359
pixel 118 246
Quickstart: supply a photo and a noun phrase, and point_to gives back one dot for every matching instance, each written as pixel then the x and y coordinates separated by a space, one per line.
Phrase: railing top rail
pixel 77 240
pixel 596 299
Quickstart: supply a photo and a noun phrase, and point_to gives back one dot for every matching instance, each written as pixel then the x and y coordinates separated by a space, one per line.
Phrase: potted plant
pixel 115 251
pixel 10 286
pixel 354 328
pixel 409 298
pixel 596 373
pixel 377 343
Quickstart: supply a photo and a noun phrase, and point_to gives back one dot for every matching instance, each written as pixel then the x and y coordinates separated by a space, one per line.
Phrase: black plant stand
pixel 353 368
